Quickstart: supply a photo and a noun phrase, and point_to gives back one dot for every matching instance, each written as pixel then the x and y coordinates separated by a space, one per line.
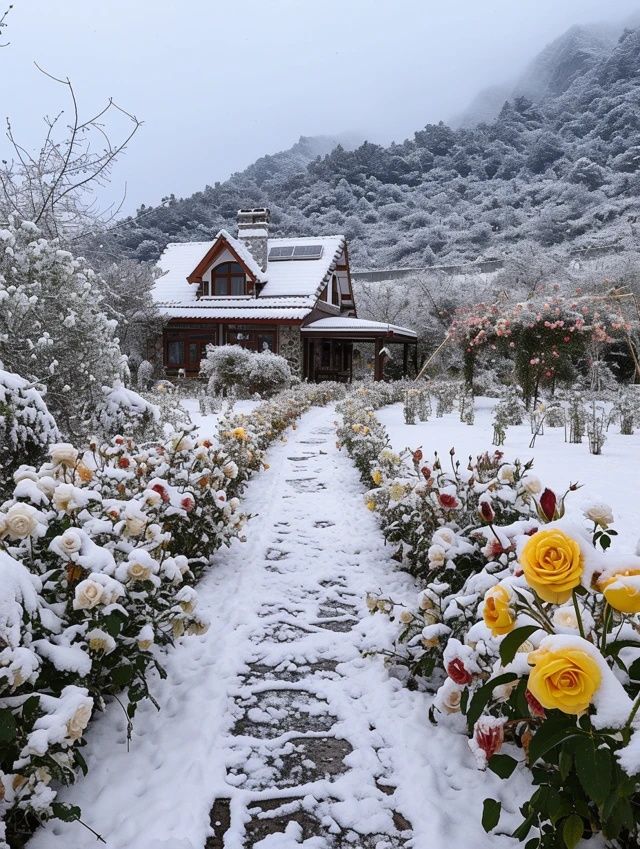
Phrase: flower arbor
pixel 547 337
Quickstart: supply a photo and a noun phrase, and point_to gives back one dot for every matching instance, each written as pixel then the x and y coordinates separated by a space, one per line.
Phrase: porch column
pixel 405 359
pixel 415 358
pixel 377 360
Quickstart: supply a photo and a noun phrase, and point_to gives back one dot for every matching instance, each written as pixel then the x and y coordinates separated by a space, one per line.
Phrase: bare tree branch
pixel 55 186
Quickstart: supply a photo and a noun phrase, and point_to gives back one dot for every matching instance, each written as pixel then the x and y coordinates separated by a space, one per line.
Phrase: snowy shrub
pixel 53 326
pixel 538 665
pixel 268 373
pixel 26 426
pixel 231 367
pixel 144 376
pixel 226 366
pixel 124 411
pixel 596 428
pixel 545 676
pixel 113 536
pixel 626 408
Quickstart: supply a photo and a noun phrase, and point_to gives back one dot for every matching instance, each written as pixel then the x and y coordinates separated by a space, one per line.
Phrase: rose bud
pixel 457 672
pixel 535 707
pixel 488 734
pixel 426 472
pixel 486 512
pixel 548 503
pixel 417 456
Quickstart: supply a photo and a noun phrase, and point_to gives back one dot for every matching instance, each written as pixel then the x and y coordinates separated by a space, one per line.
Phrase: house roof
pixel 359 328
pixel 290 289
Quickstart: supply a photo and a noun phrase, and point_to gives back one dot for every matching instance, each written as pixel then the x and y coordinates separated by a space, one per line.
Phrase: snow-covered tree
pixel 53 326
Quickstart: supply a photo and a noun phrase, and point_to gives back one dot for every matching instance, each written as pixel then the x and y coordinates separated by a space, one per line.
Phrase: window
pixel 175 352
pixel 335 296
pixel 255 337
pixel 227 279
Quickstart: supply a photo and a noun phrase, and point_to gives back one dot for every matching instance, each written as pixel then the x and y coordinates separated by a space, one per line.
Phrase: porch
pixel 328 347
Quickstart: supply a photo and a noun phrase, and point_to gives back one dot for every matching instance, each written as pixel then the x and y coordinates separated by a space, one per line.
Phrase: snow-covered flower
pixel 79 720
pixel 63 454
pixel 437 556
pixel 68 543
pixel 531 484
pixel 20 521
pixel 506 474
pixel 99 641
pixel 88 594
pixel 600 514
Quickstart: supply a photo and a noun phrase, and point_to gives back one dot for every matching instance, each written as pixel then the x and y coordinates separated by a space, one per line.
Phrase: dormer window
pixel 227 279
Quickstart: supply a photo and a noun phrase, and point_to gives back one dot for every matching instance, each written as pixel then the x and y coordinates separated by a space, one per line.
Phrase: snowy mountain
pixel 562 172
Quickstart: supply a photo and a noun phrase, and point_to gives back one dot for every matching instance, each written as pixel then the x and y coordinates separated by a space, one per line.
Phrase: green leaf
pixel 483 694
pixel 525 827
pixel 634 670
pixel 551 734
pixel 565 761
pixel 66 813
pixel 593 767
pixel 502 765
pixel 512 642
pixel 572 830
pixel 121 676
pixel 490 814
pixel 7 726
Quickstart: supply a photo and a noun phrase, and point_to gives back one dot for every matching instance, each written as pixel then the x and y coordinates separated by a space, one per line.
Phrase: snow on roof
pixel 295 308
pixel 347 325
pixel 291 279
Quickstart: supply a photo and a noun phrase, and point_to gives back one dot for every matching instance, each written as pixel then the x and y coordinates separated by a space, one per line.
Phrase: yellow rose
pixel 376 477
pixel 565 679
pixel 552 563
pixel 497 613
pixel 622 591
pixel 371 504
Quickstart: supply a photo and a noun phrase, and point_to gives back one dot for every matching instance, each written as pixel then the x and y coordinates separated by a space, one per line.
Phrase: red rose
pixel 449 502
pixel 534 705
pixel 486 511
pixel 124 462
pixel 417 456
pixel 187 503
pixel 457 672
pixel 426 472
pixel 157 487
pixel 548 502
pixel 489 736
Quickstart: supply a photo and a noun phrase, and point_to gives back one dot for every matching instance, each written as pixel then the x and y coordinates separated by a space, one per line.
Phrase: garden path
pixel 276 729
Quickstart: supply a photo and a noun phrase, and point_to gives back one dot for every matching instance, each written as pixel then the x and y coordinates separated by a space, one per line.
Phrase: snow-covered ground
pixel 208 424
pixel 276 708
pixel 611 477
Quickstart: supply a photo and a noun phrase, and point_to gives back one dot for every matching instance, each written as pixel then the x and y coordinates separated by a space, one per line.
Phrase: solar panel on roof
pixel 307 252
pixel 284 252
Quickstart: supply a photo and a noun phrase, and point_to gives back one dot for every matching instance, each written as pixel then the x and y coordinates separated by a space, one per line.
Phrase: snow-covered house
pixel 292 296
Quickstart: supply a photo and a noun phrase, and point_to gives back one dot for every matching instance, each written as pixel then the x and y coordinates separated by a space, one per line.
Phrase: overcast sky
pixel 218 84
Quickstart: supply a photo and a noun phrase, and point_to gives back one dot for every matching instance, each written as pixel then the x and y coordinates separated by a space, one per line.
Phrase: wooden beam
pixel 377 361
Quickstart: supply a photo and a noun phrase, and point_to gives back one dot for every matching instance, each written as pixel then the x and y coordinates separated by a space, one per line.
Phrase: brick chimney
pixel 253 230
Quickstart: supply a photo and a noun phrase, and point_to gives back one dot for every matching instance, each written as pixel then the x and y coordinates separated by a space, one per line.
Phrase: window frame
pixel 226 273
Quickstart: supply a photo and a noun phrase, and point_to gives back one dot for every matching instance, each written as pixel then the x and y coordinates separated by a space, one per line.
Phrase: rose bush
pixel 100 548
pixel 528 626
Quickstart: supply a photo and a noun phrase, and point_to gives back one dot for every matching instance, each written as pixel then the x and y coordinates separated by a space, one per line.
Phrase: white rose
pixel 47 485
pixel 506 474
pixel 20 521
pixel 135 525
pixel 138 571
pixel 88 595
pixel 63 498
pixel 437 555
pixel 70 542
pixel 79 720
pixel 145 638
pixel 100 641
pixel 565 617
pixel 444 537
pixel 187 598
pixel 198 627
pixel 448 697
pixel 230 470
pixel 406 617
pixel 25 473
pixel 600 514
pixel 531 484
pixel 63 454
